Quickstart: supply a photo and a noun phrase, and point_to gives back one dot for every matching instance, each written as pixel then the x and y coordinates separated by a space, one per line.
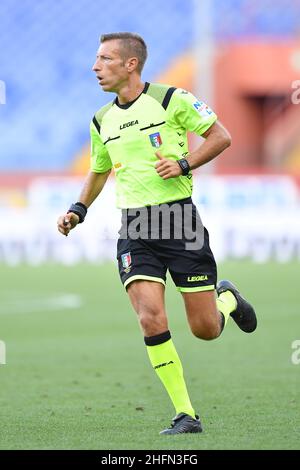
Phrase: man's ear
pixel 131 64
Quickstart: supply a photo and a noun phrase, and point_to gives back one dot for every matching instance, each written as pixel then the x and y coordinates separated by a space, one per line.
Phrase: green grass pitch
pixel 77 375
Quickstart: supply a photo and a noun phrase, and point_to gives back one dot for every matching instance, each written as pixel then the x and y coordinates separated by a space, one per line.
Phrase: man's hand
pixel 67 222
pixel 167 168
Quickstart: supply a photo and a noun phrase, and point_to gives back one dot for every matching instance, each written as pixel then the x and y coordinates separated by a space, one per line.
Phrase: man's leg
pixel 205 320
pixel 208 315
pixel 147 299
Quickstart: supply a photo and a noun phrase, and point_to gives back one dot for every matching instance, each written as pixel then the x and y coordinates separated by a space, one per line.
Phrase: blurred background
pixel 68 335
pixel 241 56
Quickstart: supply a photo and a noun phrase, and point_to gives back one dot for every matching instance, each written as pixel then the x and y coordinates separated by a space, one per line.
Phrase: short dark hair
pixel 132 45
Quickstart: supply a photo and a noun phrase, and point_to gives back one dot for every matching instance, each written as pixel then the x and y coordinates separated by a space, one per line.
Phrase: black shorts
pixel 183 249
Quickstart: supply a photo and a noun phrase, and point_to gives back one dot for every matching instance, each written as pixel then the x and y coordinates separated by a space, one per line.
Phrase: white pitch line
pixel 27 303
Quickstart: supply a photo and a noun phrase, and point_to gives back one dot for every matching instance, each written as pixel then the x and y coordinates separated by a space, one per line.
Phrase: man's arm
pixel 93 186
pixel 217 139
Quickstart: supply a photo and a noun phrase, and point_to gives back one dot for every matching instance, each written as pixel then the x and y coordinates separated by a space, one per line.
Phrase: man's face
pixel 109 67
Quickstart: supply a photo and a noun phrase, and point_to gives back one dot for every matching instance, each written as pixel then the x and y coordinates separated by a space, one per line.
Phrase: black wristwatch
pixel 184 165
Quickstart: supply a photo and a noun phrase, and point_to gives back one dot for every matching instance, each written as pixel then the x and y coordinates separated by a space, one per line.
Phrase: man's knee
pixel 207 329
pixel 152 318
pixel 152 322
pixel 146 318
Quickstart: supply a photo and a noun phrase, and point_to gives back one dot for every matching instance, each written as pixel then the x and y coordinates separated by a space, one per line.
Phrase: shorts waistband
pixel 187 200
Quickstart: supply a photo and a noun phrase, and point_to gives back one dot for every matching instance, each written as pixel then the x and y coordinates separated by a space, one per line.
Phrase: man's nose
pixel 96 66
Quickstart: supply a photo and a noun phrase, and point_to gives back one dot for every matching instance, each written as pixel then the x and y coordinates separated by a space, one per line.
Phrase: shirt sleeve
pixel 100 159
pixel 190 113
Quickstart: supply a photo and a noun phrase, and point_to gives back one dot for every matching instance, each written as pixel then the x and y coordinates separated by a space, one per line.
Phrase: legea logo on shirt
pixel 155 139
pixel 202 108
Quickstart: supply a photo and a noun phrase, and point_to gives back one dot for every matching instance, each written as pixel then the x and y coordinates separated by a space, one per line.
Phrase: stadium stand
pixel 47 51
pixel 48 48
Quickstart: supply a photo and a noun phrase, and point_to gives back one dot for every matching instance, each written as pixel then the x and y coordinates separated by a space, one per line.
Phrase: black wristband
pixel 184 165
pixel 79 209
